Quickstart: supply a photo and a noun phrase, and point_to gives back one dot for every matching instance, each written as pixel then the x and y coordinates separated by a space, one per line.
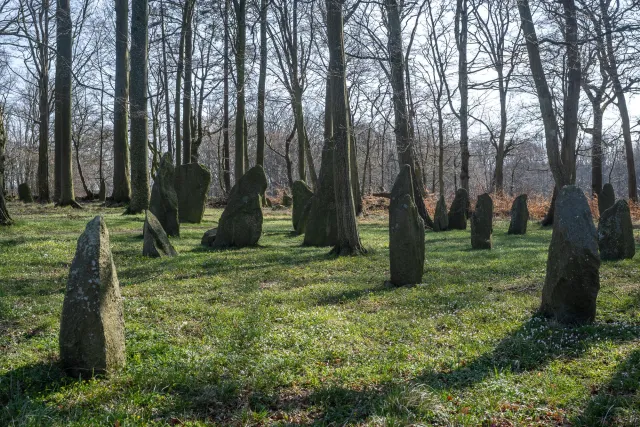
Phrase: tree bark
pixel 43 126
pixel 5 218
pixel 63 102
pixel 226 154
pixel 138 106
pixel 463 83
pixel 188 74
pixel 179 72
pixel 262 80
pixel 348 241
pixel 404 143
pixel 165 80
pixel 121 171
pixel 241 38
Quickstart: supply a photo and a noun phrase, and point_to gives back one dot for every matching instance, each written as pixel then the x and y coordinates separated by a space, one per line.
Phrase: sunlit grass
pixel 287 335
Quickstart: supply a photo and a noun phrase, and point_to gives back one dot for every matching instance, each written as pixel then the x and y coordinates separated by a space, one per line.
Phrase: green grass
pixel 282 334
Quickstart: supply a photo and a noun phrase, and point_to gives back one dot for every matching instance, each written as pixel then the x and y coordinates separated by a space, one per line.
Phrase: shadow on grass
pixel 618 401
pixel 31 380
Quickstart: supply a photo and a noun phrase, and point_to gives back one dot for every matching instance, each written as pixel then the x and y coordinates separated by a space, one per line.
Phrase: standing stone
pixel 102 195
pixel 606 198
pixel 24 193
pixel 322 221
pixel 287 201
pixel 482 223
pixel 241 222
pixel 406 233
pixel 164 199
pixel 615 233
pixel 519 215
pixel 92 323
pixel 458 213
pixel 441 219
pixel 192 185
pixel 573 281
pixel 156 243
pixel 302 194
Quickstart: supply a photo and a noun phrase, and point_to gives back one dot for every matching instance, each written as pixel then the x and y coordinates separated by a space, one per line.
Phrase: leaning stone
pixel 406 233
pixel 615 233
pixel 459 210
pixel 302 194
pixel 482 223
pixel 102 195
pixel 209 237
pixel 241 222
pixel 441 219
pixel 519 215
pixel 606 198
pixel 192 185
pixel 92 323
pixel 164 199
pixel 24 193
pixel 573 281
pixel 156 243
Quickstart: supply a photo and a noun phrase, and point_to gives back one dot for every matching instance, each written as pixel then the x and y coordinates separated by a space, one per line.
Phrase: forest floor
pixel 282 334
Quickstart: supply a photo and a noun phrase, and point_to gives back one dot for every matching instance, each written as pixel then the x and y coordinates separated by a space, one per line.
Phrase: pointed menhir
pixel 92 323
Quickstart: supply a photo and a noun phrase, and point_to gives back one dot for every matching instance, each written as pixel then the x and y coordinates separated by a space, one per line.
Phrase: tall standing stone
pixel 615 233
pixel 322 222
pixel 459 210
pixel 482 223
pixel 241 222
pixel 24 193
pixel 164 199
pixel 156 242
pixel 606 198
pixel 406 233
pixel 102 195
pixel 192 186
pixel 302 194
pixel 573 280
pixel 441 218
pixel 92 324
pixel 519 215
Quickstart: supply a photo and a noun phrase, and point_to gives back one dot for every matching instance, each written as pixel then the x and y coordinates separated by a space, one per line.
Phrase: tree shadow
pixel 618 401
pixel 533 345
pixel 39 378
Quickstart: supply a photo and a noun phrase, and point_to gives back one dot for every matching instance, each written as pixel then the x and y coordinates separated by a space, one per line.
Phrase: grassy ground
pixel 284 335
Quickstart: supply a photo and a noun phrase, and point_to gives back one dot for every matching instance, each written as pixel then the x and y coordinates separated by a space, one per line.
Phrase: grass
pixel 282 334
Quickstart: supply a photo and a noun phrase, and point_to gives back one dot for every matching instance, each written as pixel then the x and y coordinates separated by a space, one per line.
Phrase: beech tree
pixel 5 218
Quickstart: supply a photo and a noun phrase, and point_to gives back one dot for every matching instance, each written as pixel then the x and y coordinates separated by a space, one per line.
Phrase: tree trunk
pixel 262 80
pixel 179 71
pixel 43 126
pixel 241 36
pixel 463 82
pixel 121 182
pixel 596 149
pixel 83 181
pixel 63 102
pixel 312 167
pixel 226 162
pixel 188 73
pixel 404 143
pixel 138 105
pixel 5 218
pixel 348 242
pixel 165 80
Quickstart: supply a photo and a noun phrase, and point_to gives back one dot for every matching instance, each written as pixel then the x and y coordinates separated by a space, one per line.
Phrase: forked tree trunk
pixel 121 171
pixel 348 241
pixel 138 105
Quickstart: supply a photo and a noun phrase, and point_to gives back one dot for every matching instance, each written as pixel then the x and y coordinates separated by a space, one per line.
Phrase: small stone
pixel 192 185
pixel 302 194
pixel 606 198
pixel 24 193
pixel 573 265
pixel 209 237
pixel 459 210
pixel 482 223
pixel 241 222
pixel 519 215
pixel 615 233
pixel 102 195
pixel 92 323
pixel 156 243
pixel 164 199
pixel 406 233
pixel 287 201
pixel 441 219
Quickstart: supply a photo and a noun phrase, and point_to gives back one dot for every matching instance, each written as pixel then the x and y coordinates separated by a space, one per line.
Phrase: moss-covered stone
pixel 441 218
pixel 615 233
pixel 302 195
pixel 192 185
pixel 24 193
pixel 482 223
pixel 164 199
pixel 459 210
pixel 519 215
pixel 156 242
